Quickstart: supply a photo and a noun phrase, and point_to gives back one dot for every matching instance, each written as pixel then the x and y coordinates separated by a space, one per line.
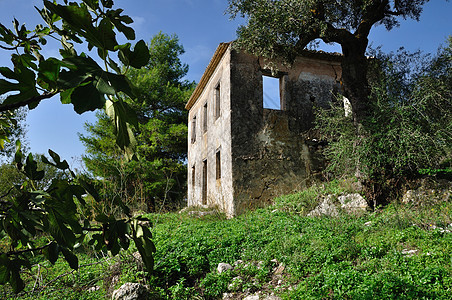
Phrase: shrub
pixel 409 127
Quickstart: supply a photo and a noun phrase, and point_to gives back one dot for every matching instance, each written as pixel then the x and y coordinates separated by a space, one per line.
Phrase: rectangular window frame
pixel 205 118
pixel 193 130
pixel 282 78
pixel 193 176
pixel 217 98
pixel 204 182
pixel 218 164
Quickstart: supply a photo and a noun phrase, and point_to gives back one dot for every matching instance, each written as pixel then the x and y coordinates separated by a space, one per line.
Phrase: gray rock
pixel 353 203
pixel 138 259
pixel 279 270
pixel 251 297
pixel 426 196
pixel 326 208
pixel 409 253
pixel 223 267
pixel 228 296
pixel 429 192
pixel 131 291
pixel 238 263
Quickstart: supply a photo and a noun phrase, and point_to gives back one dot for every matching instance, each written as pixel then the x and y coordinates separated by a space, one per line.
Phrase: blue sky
pixel 200 25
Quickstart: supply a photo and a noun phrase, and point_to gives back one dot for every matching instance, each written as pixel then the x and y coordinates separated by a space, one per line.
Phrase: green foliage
pixel 408 128
pixel 344 257
pixel 282 27
pixel 56 209
pixel 53 210
pixel 12 128
pixel 10 177
pixel 358 257
pixel 157 178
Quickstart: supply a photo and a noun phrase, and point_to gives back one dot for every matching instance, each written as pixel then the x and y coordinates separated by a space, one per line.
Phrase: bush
pixel 409 127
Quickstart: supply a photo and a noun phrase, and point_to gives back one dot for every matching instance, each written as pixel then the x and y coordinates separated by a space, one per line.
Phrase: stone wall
pixel 270 155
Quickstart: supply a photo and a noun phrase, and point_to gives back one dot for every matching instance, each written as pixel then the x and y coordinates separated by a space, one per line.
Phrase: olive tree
pixel 282 28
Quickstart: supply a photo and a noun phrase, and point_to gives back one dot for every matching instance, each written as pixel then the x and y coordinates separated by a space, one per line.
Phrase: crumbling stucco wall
pixel 216 136
pixel 270 155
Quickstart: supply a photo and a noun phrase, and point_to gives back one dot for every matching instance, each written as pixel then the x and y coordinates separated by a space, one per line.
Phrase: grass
pixel 395 253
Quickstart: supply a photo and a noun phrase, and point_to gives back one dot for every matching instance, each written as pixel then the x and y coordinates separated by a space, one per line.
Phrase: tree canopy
pixel 158 176
pixel 282 28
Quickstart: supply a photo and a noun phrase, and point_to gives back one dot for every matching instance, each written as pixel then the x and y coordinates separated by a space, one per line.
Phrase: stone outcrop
pixel 429 193
pixel 222 267
pixel 131 291
pixel 349 203
pixel 325 208
pixel 353 203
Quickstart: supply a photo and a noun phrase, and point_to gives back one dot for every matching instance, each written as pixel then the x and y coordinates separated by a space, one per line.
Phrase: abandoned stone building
pixel 242 151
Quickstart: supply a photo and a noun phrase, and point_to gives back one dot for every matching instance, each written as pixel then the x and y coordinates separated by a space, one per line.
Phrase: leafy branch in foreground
pixel 58 210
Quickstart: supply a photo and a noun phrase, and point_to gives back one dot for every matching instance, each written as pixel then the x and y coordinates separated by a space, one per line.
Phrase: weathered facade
pixel 240 154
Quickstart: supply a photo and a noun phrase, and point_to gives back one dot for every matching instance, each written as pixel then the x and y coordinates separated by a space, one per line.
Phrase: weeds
pixel 399 252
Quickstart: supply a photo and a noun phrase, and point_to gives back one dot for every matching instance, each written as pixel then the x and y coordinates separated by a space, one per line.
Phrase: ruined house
pixel 243 152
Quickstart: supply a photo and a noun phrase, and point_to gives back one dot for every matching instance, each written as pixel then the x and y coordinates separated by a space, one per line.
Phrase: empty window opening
pixel 271 92
pixel 217 102
pixel 218 165
pixel 204 182
pixel 193 130
pixel 204 122
pixel 193 177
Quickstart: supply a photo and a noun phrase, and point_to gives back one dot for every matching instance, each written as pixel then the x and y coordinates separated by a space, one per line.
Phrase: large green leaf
pixel 16 282
pixel 90 188
pixel 51 252
pixel 62 165
pixel 62 203
pixel 26 82
pixel 70 257
pixel 145 248
pixel 137 58
pixel 122 117
pixel 104 87
pixel 4 271
pixel 31 169
pixel 121 84
pixel 82 68
pixel 80 20
pixel 63 235
pixel 49 70
pixel 118 20
pixel 87 98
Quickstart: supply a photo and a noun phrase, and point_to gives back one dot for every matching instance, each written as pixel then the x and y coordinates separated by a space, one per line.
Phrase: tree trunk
pixel 354 78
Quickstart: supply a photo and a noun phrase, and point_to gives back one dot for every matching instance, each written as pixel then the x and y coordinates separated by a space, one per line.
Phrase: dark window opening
pixel 193 130
pixel 217 102
pixel 204 182
pixel 193 177
pixel 218 165
pixel 204 122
